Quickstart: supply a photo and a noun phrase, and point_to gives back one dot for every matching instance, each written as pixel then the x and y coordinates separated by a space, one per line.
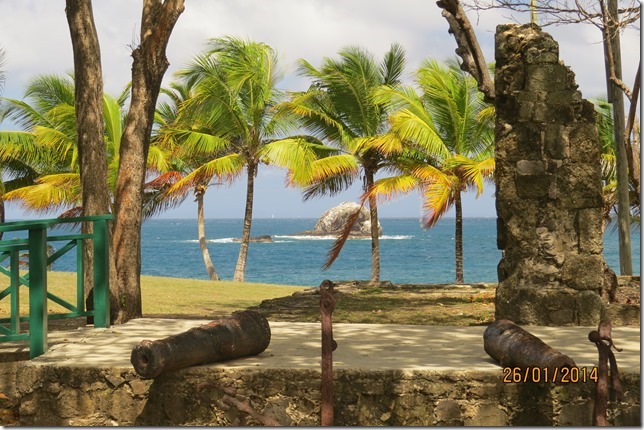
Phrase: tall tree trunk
pixel 240 269
pixel 89 121
pixel 632 144
pixel 612 50
pixel 375 233
pixel 148 67
pixel 2 214
pixel 458 238
pixel 212 273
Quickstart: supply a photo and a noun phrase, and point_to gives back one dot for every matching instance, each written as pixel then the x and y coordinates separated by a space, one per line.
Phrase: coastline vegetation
pixel 224 115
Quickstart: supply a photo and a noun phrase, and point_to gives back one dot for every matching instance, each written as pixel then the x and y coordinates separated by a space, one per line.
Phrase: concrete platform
pixel 360 346
pixel 384 375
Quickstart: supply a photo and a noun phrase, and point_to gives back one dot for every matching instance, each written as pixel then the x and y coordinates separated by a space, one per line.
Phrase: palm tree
pixel 47 144
pixel 183 161
pixel 22 154
pixel 339 108
pixel 609 172
pixel 450 132
pixel 230 119
pixel 2 72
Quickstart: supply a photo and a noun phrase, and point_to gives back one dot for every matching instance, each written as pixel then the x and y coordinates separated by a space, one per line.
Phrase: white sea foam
pixel 224 240
pixel 305 237
pixel 331 237
pixel 290 238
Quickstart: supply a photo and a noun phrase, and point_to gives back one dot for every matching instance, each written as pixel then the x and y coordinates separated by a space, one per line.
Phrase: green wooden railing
pixel 35 244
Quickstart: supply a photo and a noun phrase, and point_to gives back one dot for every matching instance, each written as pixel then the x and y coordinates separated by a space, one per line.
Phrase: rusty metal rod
pixel 327 305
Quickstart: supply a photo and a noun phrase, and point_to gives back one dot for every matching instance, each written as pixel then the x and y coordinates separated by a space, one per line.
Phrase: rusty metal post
pixel 327 305
pixel 604 342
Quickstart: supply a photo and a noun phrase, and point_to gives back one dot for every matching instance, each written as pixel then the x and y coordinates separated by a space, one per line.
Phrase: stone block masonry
pixel 68 396
pixel 548 186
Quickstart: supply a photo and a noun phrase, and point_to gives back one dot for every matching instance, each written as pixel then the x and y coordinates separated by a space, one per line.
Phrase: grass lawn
pixel 420 305
pixel 190 298
pixel 163 295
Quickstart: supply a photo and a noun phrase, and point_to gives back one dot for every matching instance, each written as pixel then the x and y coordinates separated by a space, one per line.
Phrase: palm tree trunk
pixel 240 269
pixel 375 233
pixel 458 238
pixel 616 97
pixel 212 273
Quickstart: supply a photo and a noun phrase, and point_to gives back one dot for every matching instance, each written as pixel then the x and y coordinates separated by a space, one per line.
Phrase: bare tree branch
pixel 610 60
pixel 558 12
pixel 468 47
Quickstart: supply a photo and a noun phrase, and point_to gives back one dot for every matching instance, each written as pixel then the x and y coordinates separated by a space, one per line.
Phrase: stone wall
pixel 548 186
pixel 66 396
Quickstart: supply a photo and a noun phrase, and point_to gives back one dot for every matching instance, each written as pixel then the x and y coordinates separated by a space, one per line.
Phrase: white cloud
pixel 35 36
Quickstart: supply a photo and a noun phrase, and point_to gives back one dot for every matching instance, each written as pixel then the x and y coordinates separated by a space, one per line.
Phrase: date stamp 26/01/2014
pixel 563 375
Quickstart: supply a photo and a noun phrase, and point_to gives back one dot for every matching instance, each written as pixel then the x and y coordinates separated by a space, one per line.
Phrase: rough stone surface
pixel 193 397
pixel 333 221
pixel 548 186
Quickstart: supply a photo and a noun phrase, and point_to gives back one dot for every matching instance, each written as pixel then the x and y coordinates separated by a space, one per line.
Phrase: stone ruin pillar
pixel 548 186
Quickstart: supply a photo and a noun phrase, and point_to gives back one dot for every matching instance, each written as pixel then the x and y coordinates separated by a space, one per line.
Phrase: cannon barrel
pixel 242 334
pixel 513 346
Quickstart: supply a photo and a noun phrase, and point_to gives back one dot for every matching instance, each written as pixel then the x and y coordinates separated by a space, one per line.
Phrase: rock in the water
pixel 332 221
pixel 264 239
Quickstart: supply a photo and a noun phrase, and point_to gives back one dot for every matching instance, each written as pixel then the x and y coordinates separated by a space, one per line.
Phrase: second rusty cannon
pixel 242 334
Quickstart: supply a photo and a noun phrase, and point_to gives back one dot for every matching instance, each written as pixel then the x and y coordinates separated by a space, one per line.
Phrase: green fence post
pixel 101 274
pixel 80 277
pixel 14 262
pixel 37 291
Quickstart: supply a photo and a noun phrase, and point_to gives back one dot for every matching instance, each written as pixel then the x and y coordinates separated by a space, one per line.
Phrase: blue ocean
pixel 409 254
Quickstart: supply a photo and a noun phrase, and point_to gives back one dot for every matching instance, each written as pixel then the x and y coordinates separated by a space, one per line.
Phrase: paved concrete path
pixel 360 346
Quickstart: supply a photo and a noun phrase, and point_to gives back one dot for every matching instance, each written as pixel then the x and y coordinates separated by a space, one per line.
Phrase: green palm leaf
pixel 51 192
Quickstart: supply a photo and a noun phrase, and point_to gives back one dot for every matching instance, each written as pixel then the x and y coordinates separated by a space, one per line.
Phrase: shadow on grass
pixel 387 307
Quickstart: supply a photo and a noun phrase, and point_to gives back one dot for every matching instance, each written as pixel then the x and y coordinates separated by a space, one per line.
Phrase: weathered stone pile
pixel 548 187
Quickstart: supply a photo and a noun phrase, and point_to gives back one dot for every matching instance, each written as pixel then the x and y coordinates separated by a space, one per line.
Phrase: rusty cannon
pixel 516 348
pixel 242 334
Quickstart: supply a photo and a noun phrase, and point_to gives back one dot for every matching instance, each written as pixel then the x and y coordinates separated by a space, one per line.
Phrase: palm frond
pixel 225 168
pixel 387 144
pixel 315 114
pixel 156 199
pixel 412 121
pixel 330 186
pixel 334 165
pixel 51 192
pixel 438 197
pixel 296 154
pixel 474 172
pixel 158 159
pixel 338 244
pixel 125 95
pixel 387 189
pixel 198 142
pixel 393 65
pixel 113 120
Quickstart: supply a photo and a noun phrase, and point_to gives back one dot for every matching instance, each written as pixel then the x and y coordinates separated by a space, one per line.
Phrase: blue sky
pixel 35 36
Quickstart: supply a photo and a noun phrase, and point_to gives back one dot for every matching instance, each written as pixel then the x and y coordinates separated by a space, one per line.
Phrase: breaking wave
pixel 293 238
